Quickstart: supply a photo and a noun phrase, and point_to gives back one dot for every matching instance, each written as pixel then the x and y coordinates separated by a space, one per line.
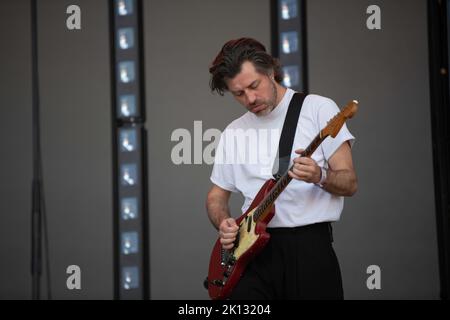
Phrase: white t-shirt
pixel 247 151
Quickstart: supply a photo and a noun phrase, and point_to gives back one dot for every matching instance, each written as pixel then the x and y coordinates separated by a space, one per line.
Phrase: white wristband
pixel 323 177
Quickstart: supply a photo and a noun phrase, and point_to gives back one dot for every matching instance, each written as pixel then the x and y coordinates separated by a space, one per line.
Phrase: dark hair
pixel 233 54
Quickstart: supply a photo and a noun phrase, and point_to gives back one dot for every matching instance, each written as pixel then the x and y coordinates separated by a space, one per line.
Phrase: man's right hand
pixel 228 230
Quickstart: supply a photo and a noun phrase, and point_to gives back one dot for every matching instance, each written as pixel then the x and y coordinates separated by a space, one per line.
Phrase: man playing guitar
pixel 299 261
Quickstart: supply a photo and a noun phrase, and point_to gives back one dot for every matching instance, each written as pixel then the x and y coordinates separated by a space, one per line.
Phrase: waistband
pixel 315 227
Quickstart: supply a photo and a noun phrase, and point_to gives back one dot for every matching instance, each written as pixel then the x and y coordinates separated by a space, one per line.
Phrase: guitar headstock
pixel 336 123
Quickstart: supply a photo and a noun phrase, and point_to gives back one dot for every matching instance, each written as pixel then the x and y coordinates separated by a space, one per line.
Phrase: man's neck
pixel 281 91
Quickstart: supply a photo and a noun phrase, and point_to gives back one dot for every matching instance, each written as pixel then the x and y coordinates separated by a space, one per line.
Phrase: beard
pixel 270 103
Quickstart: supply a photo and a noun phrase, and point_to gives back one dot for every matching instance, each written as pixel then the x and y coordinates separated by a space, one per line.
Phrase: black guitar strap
pixel 288 133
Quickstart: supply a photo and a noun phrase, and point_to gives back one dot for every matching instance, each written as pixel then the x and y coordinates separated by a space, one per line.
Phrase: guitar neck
pixel 282 183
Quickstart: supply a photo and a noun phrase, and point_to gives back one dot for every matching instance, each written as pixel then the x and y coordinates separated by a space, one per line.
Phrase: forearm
pixel 341 182
pixel 218 210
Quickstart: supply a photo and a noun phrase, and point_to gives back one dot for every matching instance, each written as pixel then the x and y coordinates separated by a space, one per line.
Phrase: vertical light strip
pixel 289 41
pixel 130 178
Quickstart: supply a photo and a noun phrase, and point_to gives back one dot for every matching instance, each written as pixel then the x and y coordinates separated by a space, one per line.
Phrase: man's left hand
pixel 305 169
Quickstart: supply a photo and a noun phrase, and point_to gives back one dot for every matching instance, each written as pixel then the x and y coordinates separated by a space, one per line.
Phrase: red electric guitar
pixel 227 266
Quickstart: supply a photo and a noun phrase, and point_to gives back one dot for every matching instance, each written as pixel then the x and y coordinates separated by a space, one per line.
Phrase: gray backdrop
pixel 390 222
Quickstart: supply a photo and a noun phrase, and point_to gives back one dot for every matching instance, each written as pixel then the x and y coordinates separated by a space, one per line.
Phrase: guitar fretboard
pixel 282 183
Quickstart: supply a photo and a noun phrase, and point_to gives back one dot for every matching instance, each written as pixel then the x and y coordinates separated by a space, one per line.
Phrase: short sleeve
pixel 222 174
pixel 327 110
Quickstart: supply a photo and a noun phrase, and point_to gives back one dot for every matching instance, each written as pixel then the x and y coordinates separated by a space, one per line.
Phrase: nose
pixel 251 98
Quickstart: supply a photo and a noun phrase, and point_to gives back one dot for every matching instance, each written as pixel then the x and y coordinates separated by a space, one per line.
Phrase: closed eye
pixel 254 85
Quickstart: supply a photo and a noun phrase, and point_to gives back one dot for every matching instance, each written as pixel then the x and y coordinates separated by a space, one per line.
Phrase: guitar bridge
pixel 227 258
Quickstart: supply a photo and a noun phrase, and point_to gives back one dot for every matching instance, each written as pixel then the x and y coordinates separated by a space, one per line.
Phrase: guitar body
pixel 226 266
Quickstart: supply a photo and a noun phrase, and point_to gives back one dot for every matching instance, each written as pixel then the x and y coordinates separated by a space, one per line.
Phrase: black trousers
pixel 297 263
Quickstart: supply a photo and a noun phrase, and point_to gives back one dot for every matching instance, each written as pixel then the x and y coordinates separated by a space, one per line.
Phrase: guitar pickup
pixel 236 242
